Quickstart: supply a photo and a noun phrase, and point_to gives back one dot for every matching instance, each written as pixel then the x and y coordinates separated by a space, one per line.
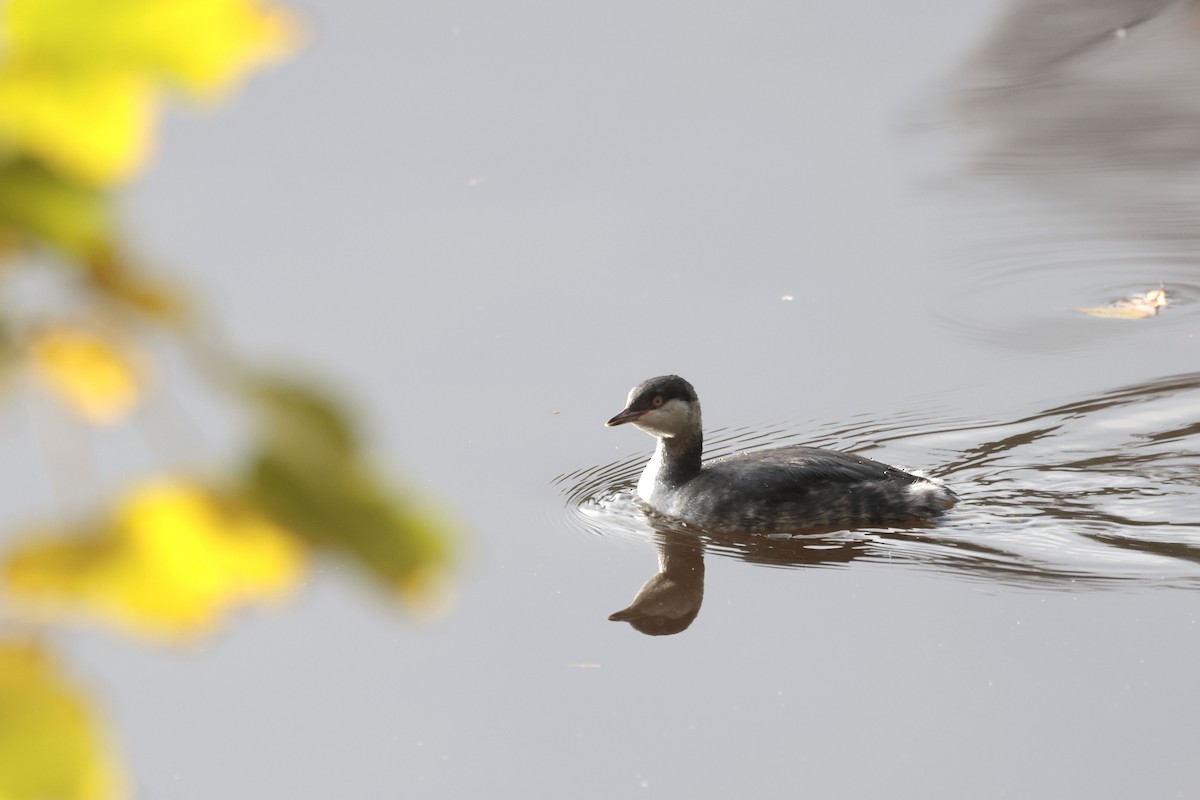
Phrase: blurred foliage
pixel 168 563
pixel 310 473
pixel 37 204
pixel 50 747
pixel 96 375
pixel 81 84
pixel 80 80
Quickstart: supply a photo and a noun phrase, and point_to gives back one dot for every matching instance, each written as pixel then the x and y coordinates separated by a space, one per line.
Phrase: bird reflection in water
pixel 670 600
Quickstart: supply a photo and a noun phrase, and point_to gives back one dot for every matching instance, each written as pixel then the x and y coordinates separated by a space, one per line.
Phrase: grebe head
pixel 665 407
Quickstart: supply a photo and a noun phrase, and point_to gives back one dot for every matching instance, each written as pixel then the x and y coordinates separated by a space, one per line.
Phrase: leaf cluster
pixel 176 552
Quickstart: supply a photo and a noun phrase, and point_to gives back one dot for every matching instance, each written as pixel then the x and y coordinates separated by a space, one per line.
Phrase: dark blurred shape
pixel 1079 85
pixel 1077 130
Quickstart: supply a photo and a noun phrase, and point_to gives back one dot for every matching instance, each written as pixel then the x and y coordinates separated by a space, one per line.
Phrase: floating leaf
pixel 79 79
pixel 170 562
pixel 50 747
pixel 95 375
pixel 1138 306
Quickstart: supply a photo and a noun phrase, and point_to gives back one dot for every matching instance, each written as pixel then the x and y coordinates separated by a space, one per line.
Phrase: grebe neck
pixel 678 457
pixel 676 460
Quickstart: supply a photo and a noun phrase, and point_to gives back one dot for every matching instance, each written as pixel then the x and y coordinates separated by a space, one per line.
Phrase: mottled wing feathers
pixel 806 466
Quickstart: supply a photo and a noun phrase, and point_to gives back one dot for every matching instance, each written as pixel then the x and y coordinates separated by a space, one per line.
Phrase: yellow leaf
pixel 204 45
pixel 94 125
pixel 207 45
pixel 50 747
pixel 80 79
pixel 170 563
pixel 97 377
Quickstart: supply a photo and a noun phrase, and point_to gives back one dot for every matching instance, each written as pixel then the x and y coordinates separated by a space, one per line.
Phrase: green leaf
pixel 311 476
pixel 302 420
pixel 37 204
pixel 344 508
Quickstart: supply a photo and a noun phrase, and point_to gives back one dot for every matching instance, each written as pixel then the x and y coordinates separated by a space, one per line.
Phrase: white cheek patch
pixel 670 419
pixel 651 423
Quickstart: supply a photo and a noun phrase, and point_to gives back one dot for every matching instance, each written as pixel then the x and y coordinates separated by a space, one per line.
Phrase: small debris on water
pixel 1139 306
pixel 787 298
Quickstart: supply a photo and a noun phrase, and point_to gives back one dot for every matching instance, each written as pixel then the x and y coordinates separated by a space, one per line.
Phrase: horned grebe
pixel 788 489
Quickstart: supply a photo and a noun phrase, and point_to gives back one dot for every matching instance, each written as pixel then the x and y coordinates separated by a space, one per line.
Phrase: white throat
pixel 649 479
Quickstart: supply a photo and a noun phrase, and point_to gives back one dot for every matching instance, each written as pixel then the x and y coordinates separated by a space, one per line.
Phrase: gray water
pixel 863 225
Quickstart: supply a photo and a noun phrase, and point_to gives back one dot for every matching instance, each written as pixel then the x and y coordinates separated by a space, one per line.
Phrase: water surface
pixel 491 220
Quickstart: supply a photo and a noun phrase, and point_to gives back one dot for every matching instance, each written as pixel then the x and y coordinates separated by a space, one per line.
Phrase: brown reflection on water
pixel 1098 493
pixel 670 600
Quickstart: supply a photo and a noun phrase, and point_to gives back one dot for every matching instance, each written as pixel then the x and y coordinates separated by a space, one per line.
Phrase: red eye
pixel 657 401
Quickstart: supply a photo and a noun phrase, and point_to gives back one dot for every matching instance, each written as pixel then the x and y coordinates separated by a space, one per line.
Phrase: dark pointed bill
pixel 628 415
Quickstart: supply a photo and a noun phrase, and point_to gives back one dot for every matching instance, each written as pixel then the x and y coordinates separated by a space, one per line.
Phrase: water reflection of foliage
pixel 1048 500
pixel 80 85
